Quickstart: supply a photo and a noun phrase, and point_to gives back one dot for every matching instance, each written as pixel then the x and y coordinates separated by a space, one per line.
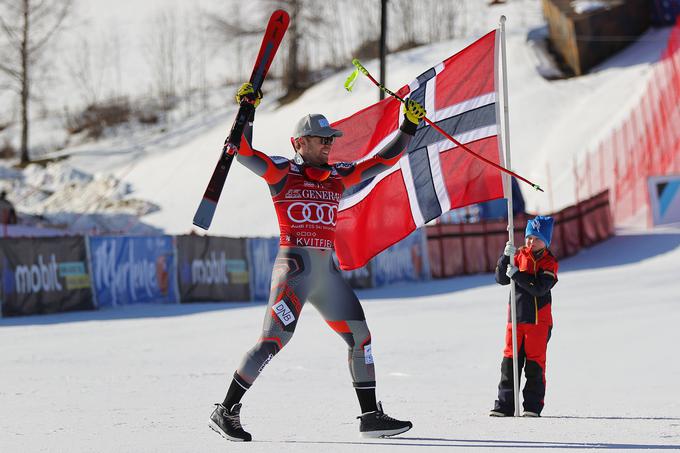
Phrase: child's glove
pixel 512 270
pixel 413 111
pixel 509 249
pixel 246 91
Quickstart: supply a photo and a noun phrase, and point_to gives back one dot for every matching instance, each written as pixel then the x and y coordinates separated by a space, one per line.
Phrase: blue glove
pixel 509 249
pixel 512 270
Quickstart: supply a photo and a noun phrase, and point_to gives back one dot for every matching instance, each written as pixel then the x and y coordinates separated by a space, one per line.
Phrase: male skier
pixel 306 191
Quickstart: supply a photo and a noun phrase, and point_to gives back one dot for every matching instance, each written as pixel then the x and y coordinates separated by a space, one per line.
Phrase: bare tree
pixel 27 27
pixel 162 47
pixel 240 36
pixel 193 57
pixel 86 68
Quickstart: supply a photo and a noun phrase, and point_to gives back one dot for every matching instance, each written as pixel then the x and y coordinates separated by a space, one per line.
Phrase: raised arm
pixel 390 154
pixel 258 162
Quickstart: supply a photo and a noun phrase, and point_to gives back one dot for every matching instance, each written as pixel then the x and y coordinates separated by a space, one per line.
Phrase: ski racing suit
pixel 304 270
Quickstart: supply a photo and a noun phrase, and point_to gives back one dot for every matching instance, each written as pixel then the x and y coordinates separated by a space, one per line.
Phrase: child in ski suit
pixel 534 271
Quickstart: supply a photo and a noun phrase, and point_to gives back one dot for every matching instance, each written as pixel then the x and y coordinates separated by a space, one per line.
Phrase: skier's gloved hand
pixel 413 111
pixel 509 249
pixel 246 91
pixel 512 270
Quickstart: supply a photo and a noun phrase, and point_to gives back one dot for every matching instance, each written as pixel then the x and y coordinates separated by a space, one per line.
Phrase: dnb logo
pixel 315 213
pixel 284 313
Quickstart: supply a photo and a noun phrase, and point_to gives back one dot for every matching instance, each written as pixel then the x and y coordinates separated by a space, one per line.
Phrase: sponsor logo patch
pixel 266 362
pixel 368 355
pixel 283 312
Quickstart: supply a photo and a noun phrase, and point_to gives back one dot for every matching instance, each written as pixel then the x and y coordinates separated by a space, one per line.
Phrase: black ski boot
pixel 227 423
pixel 379 424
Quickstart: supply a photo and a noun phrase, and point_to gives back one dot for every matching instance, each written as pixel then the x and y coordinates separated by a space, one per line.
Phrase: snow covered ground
pixel 143 378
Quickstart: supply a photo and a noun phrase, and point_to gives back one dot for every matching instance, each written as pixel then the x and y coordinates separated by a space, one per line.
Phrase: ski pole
pixel 364 71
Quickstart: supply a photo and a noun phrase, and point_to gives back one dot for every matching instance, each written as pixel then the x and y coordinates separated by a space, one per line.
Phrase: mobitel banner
pixel 44 275
pixel 129 270
pixel 261 256
pixel 212 269
pixel 407 260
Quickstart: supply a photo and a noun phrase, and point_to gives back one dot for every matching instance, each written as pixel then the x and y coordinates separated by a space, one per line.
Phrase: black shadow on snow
pixel 133 311
pixel 620 250
pixel 428 288
pixel 485 444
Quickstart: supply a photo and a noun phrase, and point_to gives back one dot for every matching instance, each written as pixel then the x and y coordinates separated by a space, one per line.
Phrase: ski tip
pixel 280 15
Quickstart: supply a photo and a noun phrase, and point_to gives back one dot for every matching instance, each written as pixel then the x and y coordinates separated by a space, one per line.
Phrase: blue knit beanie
pixel 541 227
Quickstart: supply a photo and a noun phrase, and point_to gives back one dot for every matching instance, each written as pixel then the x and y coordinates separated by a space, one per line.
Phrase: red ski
pixel 276 28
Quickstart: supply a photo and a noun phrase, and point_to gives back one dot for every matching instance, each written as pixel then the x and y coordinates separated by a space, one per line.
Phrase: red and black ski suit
pixel 535 278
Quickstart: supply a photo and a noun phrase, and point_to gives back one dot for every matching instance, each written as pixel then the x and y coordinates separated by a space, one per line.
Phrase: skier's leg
pixel 290 285
pixel 505 404
pixel 536 348
pixel 341 309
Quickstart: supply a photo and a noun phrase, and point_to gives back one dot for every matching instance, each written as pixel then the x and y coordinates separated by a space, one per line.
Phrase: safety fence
pixel 644 145
pixel 471 248
pixel 55 274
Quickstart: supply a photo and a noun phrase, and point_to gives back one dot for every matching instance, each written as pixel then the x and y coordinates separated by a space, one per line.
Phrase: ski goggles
pixel 324 140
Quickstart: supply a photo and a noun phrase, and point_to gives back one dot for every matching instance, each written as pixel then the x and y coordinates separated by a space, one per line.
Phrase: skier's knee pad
pixel 361 336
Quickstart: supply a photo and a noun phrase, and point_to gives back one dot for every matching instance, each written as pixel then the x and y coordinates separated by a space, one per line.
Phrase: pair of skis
pixel 276 28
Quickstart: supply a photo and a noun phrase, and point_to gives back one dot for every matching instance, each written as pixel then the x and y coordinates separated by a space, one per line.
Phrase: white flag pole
pixel 507 187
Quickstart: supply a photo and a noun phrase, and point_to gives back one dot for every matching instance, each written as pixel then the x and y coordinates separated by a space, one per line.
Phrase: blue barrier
pixel 407 260
pixel 129 270
pixel 261 255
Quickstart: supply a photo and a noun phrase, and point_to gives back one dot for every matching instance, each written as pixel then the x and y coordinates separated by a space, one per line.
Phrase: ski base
pixel 204 213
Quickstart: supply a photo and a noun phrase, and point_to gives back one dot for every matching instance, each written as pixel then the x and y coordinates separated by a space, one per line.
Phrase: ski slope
pixel 143 378
pixel 552 124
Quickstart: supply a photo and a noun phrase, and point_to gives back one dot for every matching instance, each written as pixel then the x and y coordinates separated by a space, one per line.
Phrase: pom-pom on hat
pixel 541 227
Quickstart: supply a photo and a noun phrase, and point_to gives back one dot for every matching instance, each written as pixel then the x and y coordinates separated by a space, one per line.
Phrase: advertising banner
pixel 664 194
pixel 212 269
pixel 45 275
pixel 129 270
pixel 261 255
pixel 406 260
pixel 360 278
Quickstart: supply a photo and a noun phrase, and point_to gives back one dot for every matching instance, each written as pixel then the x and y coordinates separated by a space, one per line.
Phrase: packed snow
pixel 144 378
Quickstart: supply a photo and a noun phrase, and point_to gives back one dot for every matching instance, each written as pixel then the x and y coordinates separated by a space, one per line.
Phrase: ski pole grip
pixel 360 67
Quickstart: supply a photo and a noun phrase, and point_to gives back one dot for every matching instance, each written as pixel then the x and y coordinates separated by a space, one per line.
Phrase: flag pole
pixel 507 187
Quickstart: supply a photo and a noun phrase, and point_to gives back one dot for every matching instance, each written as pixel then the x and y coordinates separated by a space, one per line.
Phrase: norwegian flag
pixel 434 175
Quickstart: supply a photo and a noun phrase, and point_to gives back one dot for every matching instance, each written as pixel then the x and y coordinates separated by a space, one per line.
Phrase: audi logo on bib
pixel 316 213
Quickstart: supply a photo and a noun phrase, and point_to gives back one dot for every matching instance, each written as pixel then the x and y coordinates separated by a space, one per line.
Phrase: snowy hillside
pixel 143 378
pixel 163 173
